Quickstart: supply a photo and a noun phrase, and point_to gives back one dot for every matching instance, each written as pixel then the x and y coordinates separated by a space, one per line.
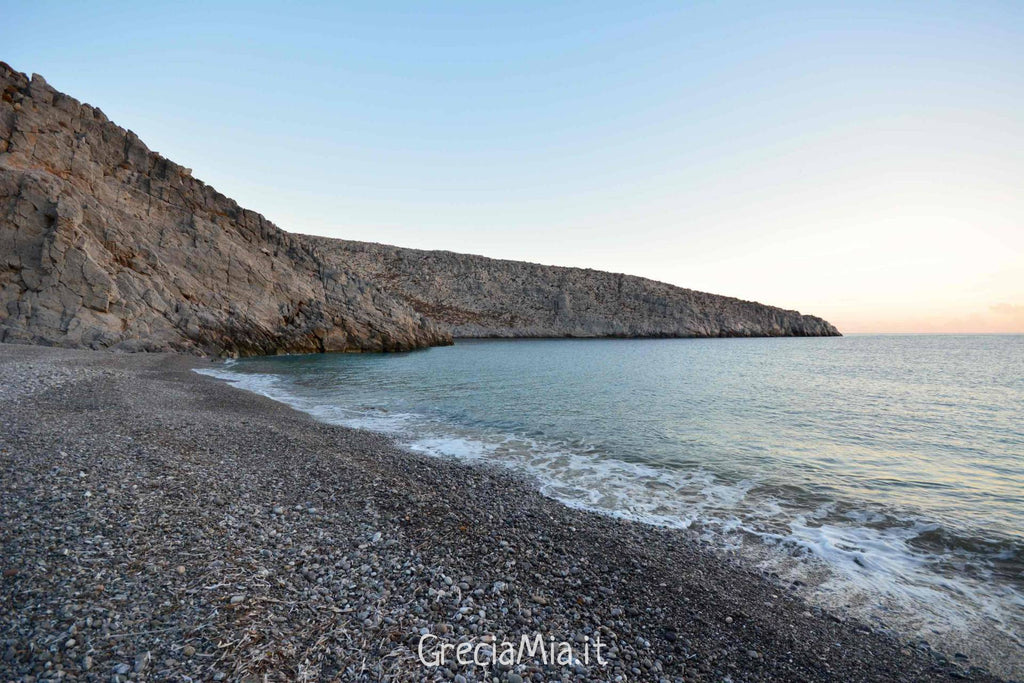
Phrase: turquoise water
pixel 885 472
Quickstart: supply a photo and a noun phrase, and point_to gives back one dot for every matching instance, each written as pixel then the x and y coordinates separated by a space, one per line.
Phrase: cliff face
pixel 104 243
pixel 482 297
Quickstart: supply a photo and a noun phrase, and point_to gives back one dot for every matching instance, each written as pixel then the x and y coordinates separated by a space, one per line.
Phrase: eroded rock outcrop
pixel 483 297
pixel 104 243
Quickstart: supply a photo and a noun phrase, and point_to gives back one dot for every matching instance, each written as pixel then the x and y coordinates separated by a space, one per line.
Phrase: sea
pixel 880 476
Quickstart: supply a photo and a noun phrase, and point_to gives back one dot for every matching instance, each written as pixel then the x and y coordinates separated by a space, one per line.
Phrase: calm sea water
pixel 884 472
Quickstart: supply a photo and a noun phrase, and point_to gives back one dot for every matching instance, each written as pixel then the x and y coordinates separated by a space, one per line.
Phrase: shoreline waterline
pixel 852 560
pixel 251 518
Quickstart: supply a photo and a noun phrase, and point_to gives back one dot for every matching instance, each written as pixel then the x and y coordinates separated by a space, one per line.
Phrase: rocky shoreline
pixel 156 524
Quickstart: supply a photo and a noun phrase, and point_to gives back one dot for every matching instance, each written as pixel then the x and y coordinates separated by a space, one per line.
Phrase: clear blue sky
pixel 862 161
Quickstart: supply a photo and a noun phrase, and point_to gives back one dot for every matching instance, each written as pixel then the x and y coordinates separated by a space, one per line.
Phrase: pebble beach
pixel 156 524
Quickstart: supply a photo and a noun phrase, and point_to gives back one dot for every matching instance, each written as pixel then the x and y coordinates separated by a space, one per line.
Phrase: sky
pixel 859 161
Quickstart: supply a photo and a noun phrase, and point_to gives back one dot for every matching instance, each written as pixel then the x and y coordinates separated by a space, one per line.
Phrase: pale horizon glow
pixel 862 163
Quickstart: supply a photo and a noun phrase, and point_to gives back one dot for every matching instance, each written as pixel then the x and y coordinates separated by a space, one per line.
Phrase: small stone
pixel 71 642
pixel 278 510
pixel 237 599
pixel 122 669
pixel 188 650
pixel 728 620
pixel 87 662
pixel 515 678
pixel 539 599
pixel 141 662
pixel 180 569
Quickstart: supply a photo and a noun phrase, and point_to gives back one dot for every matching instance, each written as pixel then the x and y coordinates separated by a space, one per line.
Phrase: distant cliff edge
pixel 484 297
pixel 105 244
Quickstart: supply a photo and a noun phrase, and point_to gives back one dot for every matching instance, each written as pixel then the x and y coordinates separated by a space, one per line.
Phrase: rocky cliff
pixel 104 243
pixel 483 297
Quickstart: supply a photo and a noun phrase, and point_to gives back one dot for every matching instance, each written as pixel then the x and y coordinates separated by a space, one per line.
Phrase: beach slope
pixel 158 524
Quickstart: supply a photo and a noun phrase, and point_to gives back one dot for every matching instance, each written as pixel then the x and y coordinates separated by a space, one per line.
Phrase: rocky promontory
pixel 106 244
pixel 485 297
